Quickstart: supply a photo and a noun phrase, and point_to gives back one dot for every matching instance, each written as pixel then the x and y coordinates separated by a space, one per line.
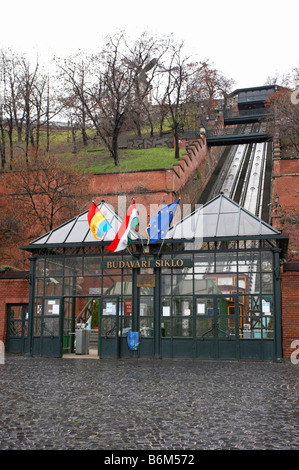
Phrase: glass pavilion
pixel 209 290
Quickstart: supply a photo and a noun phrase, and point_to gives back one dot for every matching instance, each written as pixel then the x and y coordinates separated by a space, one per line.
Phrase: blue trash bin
pixel 133 340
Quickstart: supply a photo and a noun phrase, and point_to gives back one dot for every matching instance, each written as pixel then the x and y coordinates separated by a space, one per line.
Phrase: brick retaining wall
pixel 14 289
pixel 290 309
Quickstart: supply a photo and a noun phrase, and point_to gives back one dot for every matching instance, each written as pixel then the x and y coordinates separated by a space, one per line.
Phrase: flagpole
pixel 160 248
pixel 142 243
pixel 130 252
pixel 164 237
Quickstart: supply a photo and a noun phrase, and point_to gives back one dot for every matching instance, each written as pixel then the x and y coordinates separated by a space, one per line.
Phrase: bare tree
pixel 145 59
pixel 110 99
pixel 2 133
pixel 207 87
pixel 75 78
pixel 45 191
pixel 283 117
pixel 117 83
pixel 177 73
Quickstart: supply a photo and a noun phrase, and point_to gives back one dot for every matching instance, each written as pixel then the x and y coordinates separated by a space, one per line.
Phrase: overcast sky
pixel 247 40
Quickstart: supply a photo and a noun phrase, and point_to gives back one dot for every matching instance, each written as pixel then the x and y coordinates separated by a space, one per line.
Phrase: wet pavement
pixel 106 404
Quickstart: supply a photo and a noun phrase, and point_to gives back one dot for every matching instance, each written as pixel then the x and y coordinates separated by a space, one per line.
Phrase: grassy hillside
pixel 96 159
pixel 99 161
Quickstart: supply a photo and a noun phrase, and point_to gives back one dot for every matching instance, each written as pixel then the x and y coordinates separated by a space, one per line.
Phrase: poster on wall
pixel 266 307
pixel 166 311
pixel 201 309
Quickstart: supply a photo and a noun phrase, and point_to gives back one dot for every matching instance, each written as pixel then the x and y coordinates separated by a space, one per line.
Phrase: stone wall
pixel 151 142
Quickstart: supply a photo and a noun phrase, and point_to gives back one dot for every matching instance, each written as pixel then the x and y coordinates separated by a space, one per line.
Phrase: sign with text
pixel 148 263
pixel 146 280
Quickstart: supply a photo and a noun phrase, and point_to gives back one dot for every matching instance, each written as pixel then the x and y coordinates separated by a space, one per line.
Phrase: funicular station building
pixel 209 290
pixel 213 288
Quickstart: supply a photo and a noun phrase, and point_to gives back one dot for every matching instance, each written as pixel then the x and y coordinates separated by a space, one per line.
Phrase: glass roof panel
pixel 227 225
pixel 41 240
pixel 249 225
pixel 185 230
pixel 228 206
pixel 212 207
pixel 59 234
pixel 209 225
pixel 78 233
pixel 268 230
pixel 220 217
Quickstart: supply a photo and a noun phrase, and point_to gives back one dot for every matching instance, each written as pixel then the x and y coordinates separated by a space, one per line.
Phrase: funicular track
pixel 242 178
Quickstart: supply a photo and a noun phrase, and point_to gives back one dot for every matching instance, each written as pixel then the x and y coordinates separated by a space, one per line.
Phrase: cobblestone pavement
pixel 66 404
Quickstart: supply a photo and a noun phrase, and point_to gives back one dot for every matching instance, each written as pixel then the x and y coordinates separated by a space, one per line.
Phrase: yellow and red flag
pixel 98 223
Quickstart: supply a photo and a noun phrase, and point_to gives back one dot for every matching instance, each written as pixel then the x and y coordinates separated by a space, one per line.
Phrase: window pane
pixel 166 284
pixel 15 320
pixel 182 327
pixel 204 263
pixel 39 286
pixel 88 285
pixel 250 322
pixel 50 326
pixel 147 316
pixel 126 319
pixel 226 262
pixel 267 282
pixel 266 261
pixel 204 327
pixel 166 317
pixel 182 284
pixel 182 316
pixel 53 286
pixel 268 327
pixel 51 307
pixel 114 262
pixel 248 261
pixel 40 267
pixel 112 284
pixel 206 284
pixel 54 268
pixel 108 326
pixel 92 266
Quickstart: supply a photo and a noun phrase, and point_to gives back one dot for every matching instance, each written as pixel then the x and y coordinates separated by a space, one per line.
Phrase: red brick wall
pixel 151 184
pixel 12 291
pixel 185 179
pixel 285 184
pixel 290 310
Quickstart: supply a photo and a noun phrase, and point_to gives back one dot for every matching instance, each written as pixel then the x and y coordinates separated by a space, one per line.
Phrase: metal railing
pixel 244 129
pixel 233 113
pixel 85 312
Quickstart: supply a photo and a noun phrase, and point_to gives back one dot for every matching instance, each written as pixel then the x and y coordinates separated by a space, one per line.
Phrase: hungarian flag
pixel 122 238
pixel 98 223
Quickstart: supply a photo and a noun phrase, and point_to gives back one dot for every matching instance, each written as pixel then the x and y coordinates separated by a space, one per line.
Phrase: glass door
pixel 215 326
pixel 109 327
pixel 17 328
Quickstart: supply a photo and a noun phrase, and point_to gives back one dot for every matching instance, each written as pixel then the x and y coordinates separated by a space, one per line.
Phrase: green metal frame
pixel 277 244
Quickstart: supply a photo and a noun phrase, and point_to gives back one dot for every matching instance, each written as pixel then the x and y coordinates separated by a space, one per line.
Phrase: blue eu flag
pixel 160 222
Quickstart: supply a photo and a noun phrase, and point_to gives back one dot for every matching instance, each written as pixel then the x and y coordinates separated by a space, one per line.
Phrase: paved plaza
pixel 106 404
